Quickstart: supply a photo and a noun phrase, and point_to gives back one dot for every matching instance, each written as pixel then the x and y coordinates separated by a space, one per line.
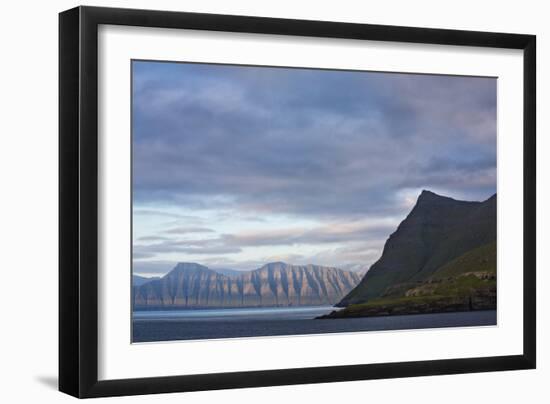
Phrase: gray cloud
pixel 329 145
pixel 306 141
pixel 320 235
pixel 137 254
pixel 155 267
pixel 153 238
pixel 189 247
pixel 161 213
pixel 187 230
pixel 234 243
pixel 356 256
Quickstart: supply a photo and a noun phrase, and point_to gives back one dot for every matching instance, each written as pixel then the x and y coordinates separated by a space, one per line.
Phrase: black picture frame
pixel 78 201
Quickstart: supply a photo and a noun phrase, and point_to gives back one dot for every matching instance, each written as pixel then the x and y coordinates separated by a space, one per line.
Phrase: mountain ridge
pixel 273 284
pixel 437 230
pixel 138 280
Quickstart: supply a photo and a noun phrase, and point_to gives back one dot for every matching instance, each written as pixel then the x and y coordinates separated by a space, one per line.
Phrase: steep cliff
pixel 436 231
pixel 275 284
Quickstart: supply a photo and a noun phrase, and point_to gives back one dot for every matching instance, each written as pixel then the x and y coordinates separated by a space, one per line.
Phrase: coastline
pixel 415 305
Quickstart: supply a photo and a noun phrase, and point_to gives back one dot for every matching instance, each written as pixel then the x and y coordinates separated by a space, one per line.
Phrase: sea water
pixel 170 325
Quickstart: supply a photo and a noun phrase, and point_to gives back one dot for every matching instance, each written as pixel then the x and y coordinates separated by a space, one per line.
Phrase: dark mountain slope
pixel 436 231
pixel 466 283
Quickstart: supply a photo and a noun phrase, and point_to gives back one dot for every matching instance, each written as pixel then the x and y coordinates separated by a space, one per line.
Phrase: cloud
pixel 306 142
pixel 333 233
pixel 153 238
pixel 137 254
pixel 163 213
pixel 333 147
pixel 154 267
pixel 188 247
pixel 187 230
pixel 355 256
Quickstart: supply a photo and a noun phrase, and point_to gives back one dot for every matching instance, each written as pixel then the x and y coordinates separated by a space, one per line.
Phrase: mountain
pixel 437 231
pixel 275 284
pixel 480 260
pixel 138 280
pixel 466 283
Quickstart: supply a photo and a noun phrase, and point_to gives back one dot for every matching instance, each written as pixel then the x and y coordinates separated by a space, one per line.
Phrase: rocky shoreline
pixel 424 305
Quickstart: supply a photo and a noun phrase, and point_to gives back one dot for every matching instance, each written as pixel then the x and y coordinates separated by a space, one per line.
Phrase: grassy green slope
pixel 466 283
pixel 481 259
pixel 436 232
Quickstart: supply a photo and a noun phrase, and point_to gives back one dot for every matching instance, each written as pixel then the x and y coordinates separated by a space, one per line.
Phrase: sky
pixel 238 166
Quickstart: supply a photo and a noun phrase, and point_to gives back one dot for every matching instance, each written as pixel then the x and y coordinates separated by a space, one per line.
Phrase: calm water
pixel 252 322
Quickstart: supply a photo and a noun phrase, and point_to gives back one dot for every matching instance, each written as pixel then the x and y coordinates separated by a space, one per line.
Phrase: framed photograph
pixel 251 201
